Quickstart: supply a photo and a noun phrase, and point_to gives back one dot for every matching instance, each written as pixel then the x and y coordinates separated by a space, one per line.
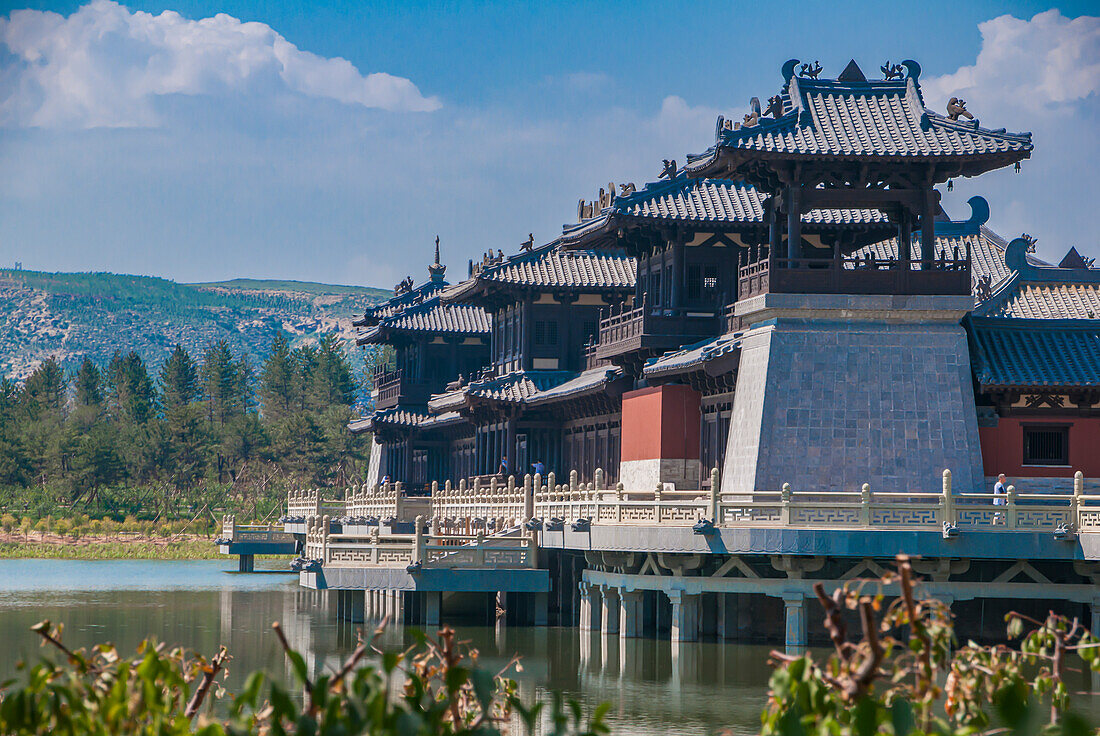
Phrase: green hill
pixel 70 315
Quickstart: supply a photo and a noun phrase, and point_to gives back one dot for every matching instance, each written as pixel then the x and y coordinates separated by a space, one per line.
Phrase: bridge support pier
pixel 350 606
pixel 727 616
pixel 631 612
pixel 609 611
pixel 685 615
pixel 795 605
pixel 246 563
pixel 433 602
pixel 541 601
pixel 590 612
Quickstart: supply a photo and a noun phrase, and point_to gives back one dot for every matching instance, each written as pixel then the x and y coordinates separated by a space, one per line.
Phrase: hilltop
pixel 70 315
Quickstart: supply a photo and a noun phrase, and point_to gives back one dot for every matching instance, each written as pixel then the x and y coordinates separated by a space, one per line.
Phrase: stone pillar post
pixel 685 615
pixel 590 608
pixel 795 605
pixel 727 616
pixel 432 605
pixel 630 613
pixel 541 602
pixel 609 611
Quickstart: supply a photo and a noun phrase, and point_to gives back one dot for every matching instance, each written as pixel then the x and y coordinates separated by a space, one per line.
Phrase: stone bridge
pixel 690 563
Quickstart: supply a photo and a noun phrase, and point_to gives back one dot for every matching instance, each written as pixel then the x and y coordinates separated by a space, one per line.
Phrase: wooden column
pixel 905 237
pixel 794 220
pixel 928 227
pixel 510 446
pixel 775 236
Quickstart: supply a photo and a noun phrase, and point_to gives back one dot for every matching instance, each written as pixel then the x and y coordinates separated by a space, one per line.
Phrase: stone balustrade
pixel 381 501
pixel 427 550
pixel 455 507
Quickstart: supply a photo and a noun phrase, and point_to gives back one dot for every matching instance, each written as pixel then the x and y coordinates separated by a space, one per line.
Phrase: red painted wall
pixel 661 422
pixel 1003 447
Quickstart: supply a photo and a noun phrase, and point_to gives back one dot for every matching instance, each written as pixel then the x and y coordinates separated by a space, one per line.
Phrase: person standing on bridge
pixel 1000 497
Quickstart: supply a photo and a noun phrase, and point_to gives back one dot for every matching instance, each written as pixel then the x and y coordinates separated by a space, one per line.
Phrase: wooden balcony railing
pixel 947 275
pixel 654 329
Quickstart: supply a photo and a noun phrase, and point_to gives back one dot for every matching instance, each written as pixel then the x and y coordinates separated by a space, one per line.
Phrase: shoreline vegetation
pixel 107 546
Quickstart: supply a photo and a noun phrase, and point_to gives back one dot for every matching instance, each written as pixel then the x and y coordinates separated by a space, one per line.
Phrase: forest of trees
pixel 209 429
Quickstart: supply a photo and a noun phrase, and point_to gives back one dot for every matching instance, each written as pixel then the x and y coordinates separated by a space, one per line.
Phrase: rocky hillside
pixel 69 315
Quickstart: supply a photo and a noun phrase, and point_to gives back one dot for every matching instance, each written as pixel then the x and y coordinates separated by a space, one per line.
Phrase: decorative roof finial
pixel 437 270
pixel 810 70
pixel 956 108
pixel 1031 241
pixel 528 244
pixel 892 71
pixel 669 170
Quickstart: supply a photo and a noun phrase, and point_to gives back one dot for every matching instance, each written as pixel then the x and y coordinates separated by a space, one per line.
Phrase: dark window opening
pixel 695 281
pixel 1046 446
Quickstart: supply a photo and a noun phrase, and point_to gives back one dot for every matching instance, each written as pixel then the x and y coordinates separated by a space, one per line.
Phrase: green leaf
pixel 901 715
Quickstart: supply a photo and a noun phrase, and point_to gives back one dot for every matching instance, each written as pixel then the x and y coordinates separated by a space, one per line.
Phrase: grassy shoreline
pixel 107 547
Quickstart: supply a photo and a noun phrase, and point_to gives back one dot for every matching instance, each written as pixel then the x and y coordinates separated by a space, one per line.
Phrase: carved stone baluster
pixel 715 498
pixel 865 505
pixel 785 499
pixel 1075 504
pixel 947 501
pixel 1010 509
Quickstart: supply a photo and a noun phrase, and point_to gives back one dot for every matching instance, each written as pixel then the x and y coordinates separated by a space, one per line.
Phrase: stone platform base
pixel 643 475
pixel 834 391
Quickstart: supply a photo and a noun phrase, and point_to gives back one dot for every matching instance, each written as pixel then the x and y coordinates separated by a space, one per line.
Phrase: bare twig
pixel 209 672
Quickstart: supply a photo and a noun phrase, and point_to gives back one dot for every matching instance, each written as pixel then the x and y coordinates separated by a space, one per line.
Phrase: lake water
pixel 656 687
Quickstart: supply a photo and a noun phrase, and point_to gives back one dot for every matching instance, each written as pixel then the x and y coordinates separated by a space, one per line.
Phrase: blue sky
pixel 332 142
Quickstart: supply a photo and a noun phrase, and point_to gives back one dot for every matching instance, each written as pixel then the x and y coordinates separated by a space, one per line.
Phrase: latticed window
pixel 1046 445
pixel 694 281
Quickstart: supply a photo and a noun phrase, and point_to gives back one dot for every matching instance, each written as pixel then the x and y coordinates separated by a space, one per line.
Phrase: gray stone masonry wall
pixel 837 391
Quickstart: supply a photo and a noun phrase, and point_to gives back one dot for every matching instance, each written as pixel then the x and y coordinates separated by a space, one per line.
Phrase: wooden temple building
pixel 792 305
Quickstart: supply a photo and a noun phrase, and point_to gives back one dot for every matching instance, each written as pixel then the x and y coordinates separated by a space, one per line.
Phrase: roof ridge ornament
pixel 437 270
pixel 891 72
pixel 670 169
pixel 913 68
pixel 956 108
pixel 811 71
pixel 851 73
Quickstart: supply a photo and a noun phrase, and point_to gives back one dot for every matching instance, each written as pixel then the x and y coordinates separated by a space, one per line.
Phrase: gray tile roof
pixel 704 201
pixel 1047 300
pixel 1038 291
pixel 398 417
pixel 1036 354
pixel 860 119
pixel 550 267
pixel 518 386
pixel 431 316
pixel 397 304
pixel 679 361
pixel 573 269
pixel 582 383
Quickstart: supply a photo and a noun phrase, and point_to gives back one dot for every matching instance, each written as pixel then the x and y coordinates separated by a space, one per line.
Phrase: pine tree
pixel 279 384
pixel 45 390
pixel 332 382
pixel 15 465
pixel 226 383
pixel 89 384
pixel 179 380
pixel 131 396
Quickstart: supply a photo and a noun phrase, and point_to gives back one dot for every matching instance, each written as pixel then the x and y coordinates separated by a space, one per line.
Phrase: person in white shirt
pixel 1000 497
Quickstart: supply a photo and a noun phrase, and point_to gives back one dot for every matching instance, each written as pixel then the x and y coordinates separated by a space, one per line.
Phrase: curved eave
pixel 726 160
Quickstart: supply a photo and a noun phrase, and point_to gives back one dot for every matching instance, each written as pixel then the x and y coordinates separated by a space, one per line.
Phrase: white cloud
pixel 104 66
pixel 1046 63
pixel 1040 75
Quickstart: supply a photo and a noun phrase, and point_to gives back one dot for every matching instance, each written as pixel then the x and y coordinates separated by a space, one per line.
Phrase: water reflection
pixel 657 687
